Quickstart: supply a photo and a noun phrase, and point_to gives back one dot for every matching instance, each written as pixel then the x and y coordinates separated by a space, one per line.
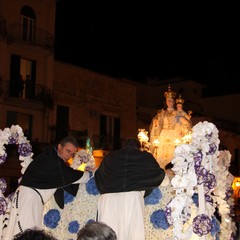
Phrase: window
pixel 62 122
pixel 22 77
pixel 21 119
pixel 28 23
pixel 110 132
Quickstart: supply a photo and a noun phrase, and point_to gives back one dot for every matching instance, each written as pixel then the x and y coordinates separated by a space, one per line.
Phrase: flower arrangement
pixel 12 135
pixel 200 170
pixel 83 160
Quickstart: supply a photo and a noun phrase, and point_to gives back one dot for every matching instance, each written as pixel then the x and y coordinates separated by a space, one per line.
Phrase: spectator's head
pixel 96 231
pixel 35 234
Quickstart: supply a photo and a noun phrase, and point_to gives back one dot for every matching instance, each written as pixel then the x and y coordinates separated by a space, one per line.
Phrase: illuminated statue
pixel 167 129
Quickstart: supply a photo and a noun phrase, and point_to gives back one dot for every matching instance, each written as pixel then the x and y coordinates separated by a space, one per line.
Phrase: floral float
pixel 187 207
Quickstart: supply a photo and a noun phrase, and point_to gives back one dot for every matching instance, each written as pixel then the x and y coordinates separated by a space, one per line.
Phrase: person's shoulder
pixel 146 154
pixel 110 154
pixel 46 151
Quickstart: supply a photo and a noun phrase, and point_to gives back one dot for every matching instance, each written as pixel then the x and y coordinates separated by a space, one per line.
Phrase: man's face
pixel 67 151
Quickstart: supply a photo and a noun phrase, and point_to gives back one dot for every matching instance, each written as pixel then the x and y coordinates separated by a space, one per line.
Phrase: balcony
pixel 40 96
pixel 17 33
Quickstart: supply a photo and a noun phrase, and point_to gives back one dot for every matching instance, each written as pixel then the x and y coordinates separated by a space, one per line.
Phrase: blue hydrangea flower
pixel 24 149
pixel 195 199
pixel 215 226
pixel 73 227
pixel 91 187
pixel 154 197
pixel 51 218
pixel 68 197
pixel 90 221
pixel 159 220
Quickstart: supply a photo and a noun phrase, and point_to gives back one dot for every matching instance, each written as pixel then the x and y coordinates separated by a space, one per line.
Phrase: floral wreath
pixel 13 135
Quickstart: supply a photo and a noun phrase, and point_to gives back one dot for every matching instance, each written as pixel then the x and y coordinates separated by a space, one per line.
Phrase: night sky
pixel 156 43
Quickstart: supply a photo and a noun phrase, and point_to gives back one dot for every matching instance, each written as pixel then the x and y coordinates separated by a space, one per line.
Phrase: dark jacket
pixel 49 171
pixel 128 169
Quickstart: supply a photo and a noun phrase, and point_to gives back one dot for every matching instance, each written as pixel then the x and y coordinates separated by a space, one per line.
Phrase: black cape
pixel 128 169
pixel 49 171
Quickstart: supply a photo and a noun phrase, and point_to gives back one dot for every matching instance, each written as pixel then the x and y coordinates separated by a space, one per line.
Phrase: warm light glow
pixel 81 167
pixel 236 187
pixel 143 135
pixel 156 143
pixel 187 138
pixel 177 141
pixel 70 161
pixel 227 220
pixel 98 157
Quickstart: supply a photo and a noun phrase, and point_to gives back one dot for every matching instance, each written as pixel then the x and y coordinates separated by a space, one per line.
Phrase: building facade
pixel 50 99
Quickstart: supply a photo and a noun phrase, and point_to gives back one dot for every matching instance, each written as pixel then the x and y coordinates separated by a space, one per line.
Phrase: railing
pixel 40 37
pixel 41 94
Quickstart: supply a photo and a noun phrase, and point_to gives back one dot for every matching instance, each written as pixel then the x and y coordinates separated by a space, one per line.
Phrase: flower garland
pixel 198 178
pixel 13 135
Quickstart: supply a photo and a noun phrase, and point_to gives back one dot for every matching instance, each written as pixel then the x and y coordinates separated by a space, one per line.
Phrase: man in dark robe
pixel 47 175
pixel 123 178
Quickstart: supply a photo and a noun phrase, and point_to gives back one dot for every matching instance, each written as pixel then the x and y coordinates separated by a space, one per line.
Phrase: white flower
pixel 180 181
pixel 82 156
